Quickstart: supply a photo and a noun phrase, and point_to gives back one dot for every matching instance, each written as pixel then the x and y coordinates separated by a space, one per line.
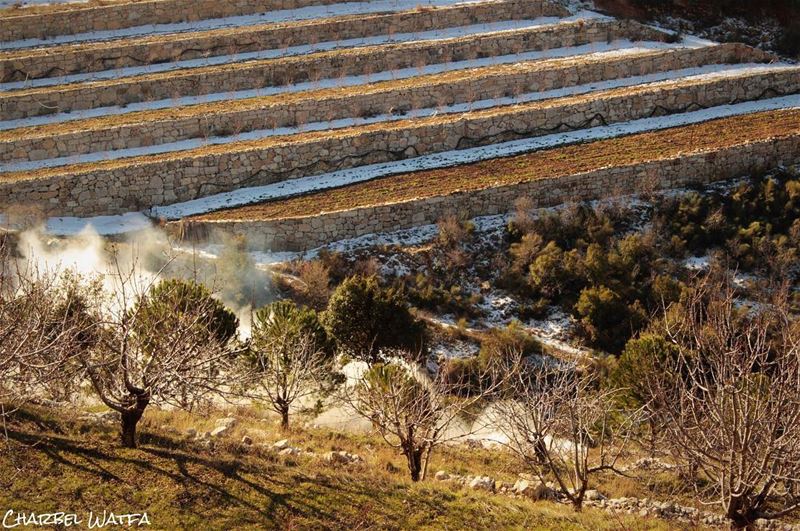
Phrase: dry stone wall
pixel 158 182
pixel 179 47
pixel 275 113
pixel 298 234
pixel 17 24
pixel 253 74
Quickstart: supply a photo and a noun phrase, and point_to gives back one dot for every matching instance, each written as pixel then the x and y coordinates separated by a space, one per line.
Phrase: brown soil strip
pixel 349 132
pixel 289 98
pixel 362 53
pixel 547 164
pixel 373 24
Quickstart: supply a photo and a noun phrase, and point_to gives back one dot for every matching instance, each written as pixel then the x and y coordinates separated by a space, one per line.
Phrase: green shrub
pixel 512 338
pixel 606 320
pixel 643 354
pixel 468 375
pixel 159 311
pixel 789 42
pixel 555 272
pixel 427 293
pixel 285 320
pixel 364 319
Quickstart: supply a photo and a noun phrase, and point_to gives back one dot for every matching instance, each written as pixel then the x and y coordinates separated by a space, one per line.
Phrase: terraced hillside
pixel 299 122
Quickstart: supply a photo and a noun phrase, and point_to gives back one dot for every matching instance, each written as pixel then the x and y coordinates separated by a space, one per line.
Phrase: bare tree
pixel 36 337
pixel 562 426
pixel 415 412
pixel 729 400
pixel 290 363
pixel 168 343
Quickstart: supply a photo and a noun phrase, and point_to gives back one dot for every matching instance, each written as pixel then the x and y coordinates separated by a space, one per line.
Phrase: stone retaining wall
pixel 180 47
pixel 148 183
pixel 524 77
pixel 298 234
pixel 277 72
pixel 40 22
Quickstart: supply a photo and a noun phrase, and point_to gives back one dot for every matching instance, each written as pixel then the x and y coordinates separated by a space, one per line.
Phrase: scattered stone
pixel 281 445
pixel 228 422
pixel 534 490
pixel 342 457
pixel 191 433
pixel 442 475
pixel 593 495
pixel 289 451
pixel 501 486
pixel 247 440
pixel 482 483
pixel 219 431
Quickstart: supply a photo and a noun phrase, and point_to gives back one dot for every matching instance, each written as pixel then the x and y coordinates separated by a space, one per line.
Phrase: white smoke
pixel 141 260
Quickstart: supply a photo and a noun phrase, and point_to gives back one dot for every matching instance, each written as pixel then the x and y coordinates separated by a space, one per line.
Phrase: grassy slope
pixel 543 164
pixel 76 468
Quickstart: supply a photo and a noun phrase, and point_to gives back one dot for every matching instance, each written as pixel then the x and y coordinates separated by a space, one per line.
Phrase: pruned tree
pixel 170 343
pixel 729 400
pixel 290 362
pixel 413 411
pixel 563 426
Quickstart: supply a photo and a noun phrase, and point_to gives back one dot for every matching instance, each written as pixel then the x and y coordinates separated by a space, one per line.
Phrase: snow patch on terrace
pixel 706 73
pixel 269 17
pixel 697 263
pixel 446 159
pixel 30 3
pixel 430 35
pixel 618 48
pixel 243 196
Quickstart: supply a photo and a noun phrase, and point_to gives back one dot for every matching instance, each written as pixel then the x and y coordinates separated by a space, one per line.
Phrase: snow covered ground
pixel 614 48
pixel 244 196
pixel 28 3
pixel 269 17
pixel 453 158
pixel 431 35
pixel 709 72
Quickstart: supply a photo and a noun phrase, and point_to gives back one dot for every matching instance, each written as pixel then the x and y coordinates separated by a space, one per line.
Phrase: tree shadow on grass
pixel 221 475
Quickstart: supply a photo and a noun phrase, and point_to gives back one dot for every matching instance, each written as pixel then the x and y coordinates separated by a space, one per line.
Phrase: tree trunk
pixel 577 498
pixel 740 517
pixel 130 418
pixel 653 437
pixel 426 461
pixel 284 418
pixel 414 458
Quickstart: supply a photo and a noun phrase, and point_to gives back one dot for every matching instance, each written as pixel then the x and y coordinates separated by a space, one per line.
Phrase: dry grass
pixel 546 164
pixel 52 464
